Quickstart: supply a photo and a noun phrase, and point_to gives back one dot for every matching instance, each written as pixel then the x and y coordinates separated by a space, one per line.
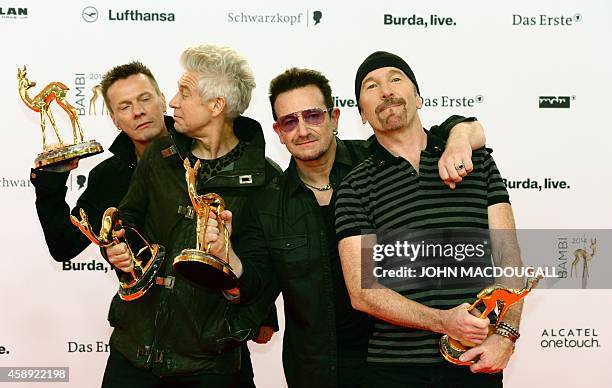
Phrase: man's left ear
pixel 335 116
pixel 419 102
pixel 163 101
pixel 218 105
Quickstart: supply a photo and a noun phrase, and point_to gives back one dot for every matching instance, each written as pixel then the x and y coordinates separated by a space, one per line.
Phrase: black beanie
pixel 376 61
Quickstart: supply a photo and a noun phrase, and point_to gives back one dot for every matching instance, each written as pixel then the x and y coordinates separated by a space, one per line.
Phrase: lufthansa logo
pixel 90 14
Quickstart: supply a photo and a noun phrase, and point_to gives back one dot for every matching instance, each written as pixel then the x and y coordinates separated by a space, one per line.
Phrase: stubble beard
pixel 307 157
pixel 394 121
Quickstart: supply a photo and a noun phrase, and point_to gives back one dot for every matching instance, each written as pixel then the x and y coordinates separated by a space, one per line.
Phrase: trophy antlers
pixel 104 238
pixel 147 261
pixel 499 296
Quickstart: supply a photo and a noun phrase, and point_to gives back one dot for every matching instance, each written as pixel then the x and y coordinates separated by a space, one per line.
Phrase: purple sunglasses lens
pixel 313 116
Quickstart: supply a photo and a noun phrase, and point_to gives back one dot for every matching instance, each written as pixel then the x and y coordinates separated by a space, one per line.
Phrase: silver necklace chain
pixel 326 187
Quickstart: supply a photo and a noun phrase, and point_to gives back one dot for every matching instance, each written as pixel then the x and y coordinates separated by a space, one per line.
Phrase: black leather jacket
pixel 182 329
pixel 106 185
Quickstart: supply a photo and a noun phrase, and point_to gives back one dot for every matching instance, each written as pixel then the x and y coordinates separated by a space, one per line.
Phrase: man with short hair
pixel 136 106
pixel 177 335
pixel 395 189
pixel 289 234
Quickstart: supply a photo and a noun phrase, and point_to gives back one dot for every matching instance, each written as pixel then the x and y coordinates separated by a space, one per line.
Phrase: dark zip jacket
pixel 181 329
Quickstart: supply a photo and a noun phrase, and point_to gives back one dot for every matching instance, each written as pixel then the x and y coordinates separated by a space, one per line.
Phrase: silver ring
pixel 459 166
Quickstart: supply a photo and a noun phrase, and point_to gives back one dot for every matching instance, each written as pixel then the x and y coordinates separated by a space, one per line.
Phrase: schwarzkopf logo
pixel 309 18
pixel 10 182
pixel 81 181
pixel 555 101
pixel 13 13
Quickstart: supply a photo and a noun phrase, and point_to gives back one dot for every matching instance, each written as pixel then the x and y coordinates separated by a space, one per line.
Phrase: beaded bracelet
pixel 507 331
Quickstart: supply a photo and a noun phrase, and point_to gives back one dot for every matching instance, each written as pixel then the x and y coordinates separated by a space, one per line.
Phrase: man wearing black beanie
pixel 376 61
pixel 394 190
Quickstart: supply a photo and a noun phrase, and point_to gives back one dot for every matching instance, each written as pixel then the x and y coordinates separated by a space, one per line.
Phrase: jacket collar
pixel 380 155
pixel 245 129
pixel 124 149
pixel 252 160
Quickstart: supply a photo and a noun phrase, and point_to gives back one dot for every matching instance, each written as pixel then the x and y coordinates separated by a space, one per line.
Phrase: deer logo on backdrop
pixel 96 93
pixel 582 254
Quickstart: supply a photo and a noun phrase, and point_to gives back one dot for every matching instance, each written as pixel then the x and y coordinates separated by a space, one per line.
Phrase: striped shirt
pixel 386 193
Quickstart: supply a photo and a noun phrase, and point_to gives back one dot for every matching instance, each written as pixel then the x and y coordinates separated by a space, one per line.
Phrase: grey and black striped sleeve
pixel 352 218
pixel 496 190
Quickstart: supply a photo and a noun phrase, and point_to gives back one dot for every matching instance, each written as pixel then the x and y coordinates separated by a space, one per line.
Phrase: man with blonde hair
pixel 177 335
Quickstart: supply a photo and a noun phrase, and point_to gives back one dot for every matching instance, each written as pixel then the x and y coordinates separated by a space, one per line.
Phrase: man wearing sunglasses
pixel 408 320
pixel 290 234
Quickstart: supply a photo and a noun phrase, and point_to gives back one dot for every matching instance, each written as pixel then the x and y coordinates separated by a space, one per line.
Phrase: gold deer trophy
pixel 147 261
pixel 492 297
pixel 41 103
pixel 199 265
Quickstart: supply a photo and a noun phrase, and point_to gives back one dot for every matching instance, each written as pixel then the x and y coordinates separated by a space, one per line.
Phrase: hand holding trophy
pixel 146 262
pixel 198 264
pixel 492 297
pixel 41 103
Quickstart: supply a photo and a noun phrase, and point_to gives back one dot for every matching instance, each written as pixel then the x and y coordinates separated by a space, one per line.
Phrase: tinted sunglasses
pixel 311 116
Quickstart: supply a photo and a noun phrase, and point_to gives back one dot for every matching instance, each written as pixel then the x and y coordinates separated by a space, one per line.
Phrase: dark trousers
pixel 120 373
pixel 246 368
pixel 352 370
pixel 438 376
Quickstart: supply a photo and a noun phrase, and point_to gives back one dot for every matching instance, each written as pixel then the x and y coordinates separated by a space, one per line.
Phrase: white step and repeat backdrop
pixel 537 74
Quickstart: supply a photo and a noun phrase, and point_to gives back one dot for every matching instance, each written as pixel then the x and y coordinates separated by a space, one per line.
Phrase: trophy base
pixel 133 288
pixel 62 154
pixel 452 349
pixel 205 270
